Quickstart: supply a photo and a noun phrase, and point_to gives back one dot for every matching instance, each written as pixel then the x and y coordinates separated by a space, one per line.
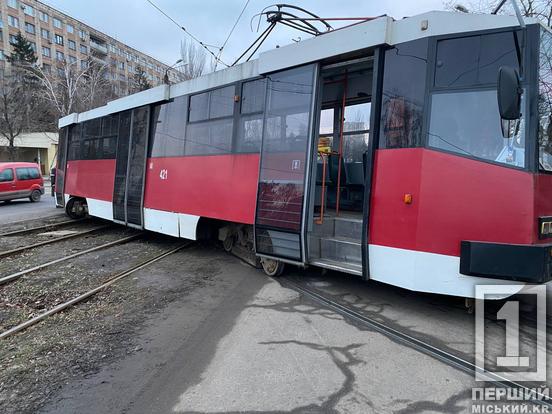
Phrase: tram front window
pixel 468 123
pixel 545 101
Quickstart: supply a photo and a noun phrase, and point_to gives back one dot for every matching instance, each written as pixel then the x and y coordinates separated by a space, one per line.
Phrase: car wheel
pixel 35 196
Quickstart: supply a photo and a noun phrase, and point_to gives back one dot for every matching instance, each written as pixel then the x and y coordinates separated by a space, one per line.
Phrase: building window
pixel 70 28
pixel 82 34
pixel 60 56
pixel 83 49
pixel 84 64
pixel 46 51
pixel 121 65
pixel 57 23
pixel 28 10
pixel 12 3
pixel 13 21
pixel 45 34
pixel 43 17
pixel 13 39
pixel 59 40
pixel 72 59
pixel 30 28
pixel 1 54
pixel 72 44
pixel 1 22
pixel 33 46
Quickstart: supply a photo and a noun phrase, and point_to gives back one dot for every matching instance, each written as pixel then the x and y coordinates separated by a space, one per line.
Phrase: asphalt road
pixel 19 210
pixel 243 343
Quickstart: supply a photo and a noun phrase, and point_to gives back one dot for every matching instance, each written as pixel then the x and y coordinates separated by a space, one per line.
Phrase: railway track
pixel 408 340
pixel 51 241
pixel 72 302
pixel 17 275
pixel 44 227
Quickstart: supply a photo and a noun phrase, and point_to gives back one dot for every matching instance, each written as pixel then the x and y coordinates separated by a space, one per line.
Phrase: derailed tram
pixel 376 150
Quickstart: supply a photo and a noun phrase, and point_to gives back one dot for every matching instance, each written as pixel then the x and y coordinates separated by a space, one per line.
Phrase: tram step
pixel 339 227
pixel 348 227
pixel 341 249
pixel 350 268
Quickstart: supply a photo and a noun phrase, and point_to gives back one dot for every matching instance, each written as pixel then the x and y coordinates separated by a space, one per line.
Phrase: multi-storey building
pixel 55 36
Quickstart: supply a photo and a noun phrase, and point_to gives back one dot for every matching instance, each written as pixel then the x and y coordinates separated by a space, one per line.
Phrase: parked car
pixel 20 180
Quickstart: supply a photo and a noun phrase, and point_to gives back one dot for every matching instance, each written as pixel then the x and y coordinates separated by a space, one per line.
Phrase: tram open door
pixel 342 162
pixel 316 163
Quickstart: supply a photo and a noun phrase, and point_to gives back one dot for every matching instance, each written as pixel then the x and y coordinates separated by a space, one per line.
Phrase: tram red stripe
pixel 216 186
pixel 90 179
pixel 454 199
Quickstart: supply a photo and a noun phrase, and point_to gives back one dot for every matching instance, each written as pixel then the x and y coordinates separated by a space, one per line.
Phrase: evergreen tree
pixel 23 52
pixel 140 80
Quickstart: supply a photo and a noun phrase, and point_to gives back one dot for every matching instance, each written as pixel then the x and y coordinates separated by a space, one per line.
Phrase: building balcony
pixel 98 47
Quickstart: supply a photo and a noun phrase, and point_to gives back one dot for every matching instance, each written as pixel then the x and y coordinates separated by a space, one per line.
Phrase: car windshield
pixel 545 101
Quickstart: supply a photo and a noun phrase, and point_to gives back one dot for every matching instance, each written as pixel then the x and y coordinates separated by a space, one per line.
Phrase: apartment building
pixel 56 36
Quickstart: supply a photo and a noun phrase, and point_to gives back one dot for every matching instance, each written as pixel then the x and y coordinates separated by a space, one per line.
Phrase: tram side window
pixel 251 116
pixel 464 110
pixel 168 129
pixel 91 139
pixel 74 144
pixel 110 131
pixel 211 122
pixel 403 95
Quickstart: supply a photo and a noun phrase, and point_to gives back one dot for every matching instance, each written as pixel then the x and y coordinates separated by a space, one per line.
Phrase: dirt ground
pixel 36 363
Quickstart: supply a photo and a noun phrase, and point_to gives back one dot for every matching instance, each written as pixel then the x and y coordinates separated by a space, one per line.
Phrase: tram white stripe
pixel 425 272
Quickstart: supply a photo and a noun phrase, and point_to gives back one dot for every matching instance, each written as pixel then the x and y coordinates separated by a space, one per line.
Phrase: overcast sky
pixel 138 24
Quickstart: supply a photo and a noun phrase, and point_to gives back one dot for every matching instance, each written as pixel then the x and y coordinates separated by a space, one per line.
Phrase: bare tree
pixel 69 87
pixel 194 61
pixel 16 103
pixel 540 9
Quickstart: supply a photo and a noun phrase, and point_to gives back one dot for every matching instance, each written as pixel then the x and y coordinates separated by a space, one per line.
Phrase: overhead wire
pixel 204 45
pixel 232 30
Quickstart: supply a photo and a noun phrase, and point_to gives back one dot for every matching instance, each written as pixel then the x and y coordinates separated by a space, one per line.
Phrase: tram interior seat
pixel 351 188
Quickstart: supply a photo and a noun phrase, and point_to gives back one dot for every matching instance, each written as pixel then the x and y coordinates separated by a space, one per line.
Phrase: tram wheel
pixel 271 267
pixel 75 208
pixel 228 243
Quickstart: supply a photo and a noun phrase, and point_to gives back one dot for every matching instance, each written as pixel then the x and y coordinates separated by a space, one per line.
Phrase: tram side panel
pixel 181 190
pixel 417 246
pixel 92 180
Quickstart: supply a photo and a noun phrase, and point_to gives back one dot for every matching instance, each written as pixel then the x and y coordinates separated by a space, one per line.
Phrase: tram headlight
pixel 545 227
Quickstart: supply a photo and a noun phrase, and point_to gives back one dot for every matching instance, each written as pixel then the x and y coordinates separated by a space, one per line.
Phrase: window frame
pixel 236 85
pixel 529 63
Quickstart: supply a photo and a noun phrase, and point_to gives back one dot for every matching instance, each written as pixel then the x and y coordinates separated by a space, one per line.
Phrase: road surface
pixel 19 210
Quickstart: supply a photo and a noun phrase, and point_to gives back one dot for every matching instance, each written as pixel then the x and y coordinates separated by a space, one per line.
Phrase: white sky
pixel 138 24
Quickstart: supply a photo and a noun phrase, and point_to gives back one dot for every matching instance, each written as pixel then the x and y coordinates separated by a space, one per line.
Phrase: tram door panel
pixel 61 166
pixel 281 191
pixel 128 192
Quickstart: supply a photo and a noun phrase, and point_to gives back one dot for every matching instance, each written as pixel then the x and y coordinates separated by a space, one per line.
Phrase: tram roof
pixel 383 30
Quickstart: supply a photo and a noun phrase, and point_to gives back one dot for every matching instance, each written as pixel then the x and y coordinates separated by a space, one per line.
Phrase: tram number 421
pixel 164 174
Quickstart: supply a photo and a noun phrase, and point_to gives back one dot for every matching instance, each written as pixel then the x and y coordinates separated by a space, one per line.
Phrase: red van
pixel 20 180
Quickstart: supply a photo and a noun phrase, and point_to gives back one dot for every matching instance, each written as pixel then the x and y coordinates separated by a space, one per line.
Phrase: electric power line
pixel 232 30
pixel 205 46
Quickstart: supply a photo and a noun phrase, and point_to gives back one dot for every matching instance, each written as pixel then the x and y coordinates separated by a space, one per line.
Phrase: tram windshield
pixel 464 110
pixel 545 101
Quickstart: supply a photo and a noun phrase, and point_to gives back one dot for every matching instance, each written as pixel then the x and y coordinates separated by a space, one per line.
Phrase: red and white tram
pixel 375 150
